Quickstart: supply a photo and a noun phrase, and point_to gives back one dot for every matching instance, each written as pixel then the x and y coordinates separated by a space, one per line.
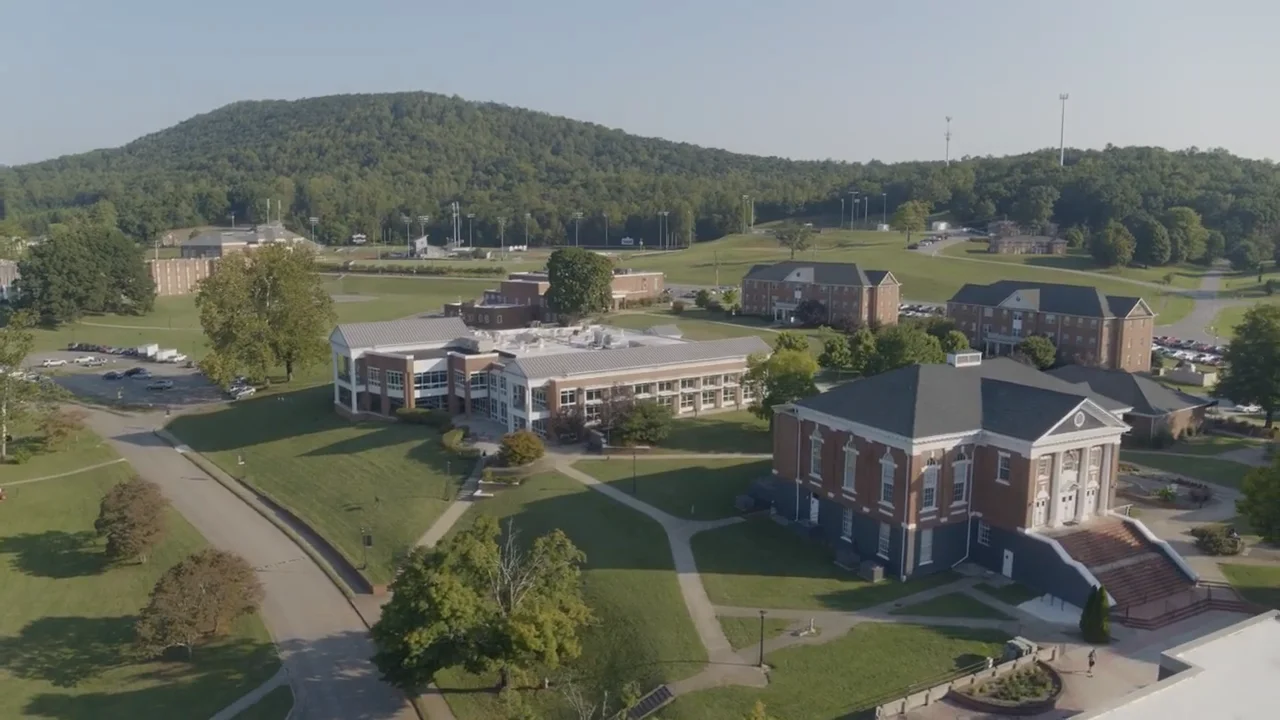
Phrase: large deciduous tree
pixel 1113 246
pixel 790 340
pixel 794 236
pixel 1260 501
pixel 1038 351
pixel 197 598
pixel 84 267
pixel 485 601
pixel 1187 235
pixel 264 310
pixel 910 217
pixel 22 401
pixel 131 517
pixel 581 283
pixel 1034 208
pixel 1151 240
pixel 835 350
pixel 783 377
pixel 645 423
pixel 902 345
pixel 1251 368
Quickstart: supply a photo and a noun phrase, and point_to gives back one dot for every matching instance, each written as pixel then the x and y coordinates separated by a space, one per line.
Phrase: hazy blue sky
pixel 843 79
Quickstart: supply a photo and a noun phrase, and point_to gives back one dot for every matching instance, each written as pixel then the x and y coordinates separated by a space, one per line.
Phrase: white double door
pixel 1069 487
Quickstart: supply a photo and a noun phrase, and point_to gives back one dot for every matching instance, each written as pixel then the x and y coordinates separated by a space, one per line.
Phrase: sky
pixel 812 79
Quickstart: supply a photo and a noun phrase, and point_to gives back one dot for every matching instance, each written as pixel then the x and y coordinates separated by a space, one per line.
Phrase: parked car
pixel 50 362
pixel 142 375
pixel 1248 409
pixel 179 358
pixel 242 393
pixel 96 363
pixel 84 359
pixel 160 385
pixel 134 372
pixel 113 375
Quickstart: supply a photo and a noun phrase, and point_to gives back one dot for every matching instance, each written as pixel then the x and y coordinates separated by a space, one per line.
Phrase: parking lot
pixel 189 386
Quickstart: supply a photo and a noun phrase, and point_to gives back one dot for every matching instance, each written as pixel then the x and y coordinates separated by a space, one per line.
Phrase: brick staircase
pixel 1145 583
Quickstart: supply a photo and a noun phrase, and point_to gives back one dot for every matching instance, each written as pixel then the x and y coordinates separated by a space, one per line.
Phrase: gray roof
pixel 274 232
pixel 425 331
pixel 1082 300
pixel 643 356
pixel 822 273
pixel 1000 395
pixel 1143 394
pixel 671 331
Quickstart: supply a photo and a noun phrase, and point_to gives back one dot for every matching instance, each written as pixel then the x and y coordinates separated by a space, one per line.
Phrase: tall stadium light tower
pixel 471 230
pixel 1062 131
pixel 577 219
pixel 314 220
pixel 422 224
pixel 948 156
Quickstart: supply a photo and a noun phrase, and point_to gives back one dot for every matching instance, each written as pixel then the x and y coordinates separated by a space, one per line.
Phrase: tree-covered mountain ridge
pixel 360 163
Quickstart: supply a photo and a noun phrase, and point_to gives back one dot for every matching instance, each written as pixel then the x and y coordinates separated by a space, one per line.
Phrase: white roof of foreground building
pixel 646 355
pixel 396 333
pixel 1228 675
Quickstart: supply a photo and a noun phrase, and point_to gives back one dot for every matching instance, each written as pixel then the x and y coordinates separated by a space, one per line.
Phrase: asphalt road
pixel 324 645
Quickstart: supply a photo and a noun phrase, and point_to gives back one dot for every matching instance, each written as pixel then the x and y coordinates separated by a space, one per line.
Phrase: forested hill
pixel 361 162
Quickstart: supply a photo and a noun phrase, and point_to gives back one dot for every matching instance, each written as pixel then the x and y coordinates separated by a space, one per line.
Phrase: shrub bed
pixel 1029 691
pixel 439 419
pixel 1216 539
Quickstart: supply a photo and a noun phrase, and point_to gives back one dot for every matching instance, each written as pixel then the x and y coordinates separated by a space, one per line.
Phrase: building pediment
pixel 800 275
pixel 1087 418
pixel 1022 300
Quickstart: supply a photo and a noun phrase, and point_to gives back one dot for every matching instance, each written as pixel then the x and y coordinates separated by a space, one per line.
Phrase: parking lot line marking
pixel 65 474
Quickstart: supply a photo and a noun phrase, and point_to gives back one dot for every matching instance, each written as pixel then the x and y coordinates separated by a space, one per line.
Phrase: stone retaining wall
pixel 936 693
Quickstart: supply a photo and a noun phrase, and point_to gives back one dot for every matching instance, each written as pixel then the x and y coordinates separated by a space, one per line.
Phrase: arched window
pixel 850 468
pixel 929 494
pixel 961 467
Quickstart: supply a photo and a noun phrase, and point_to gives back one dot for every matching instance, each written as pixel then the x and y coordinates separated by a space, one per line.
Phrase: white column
pixel 1054 478
pixel 351 372
pixel 1104 480
pixel 1082 512
pixel 334 357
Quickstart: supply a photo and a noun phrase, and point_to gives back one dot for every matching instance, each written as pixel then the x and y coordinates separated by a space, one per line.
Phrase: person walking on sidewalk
pixel 1093 660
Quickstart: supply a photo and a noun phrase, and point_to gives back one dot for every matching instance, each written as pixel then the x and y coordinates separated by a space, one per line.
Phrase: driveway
pixel 322 642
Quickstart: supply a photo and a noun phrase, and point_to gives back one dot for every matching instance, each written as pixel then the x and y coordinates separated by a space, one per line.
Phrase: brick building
pixel 1154 409
pixel 520 378
pixel 218 243
pixel 1027 245
pixel 519 300
pixel 990 462
pixel 1087 326
pixel 859 297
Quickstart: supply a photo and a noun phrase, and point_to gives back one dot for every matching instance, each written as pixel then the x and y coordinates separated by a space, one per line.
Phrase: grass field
pixel 1258 583
pixel 1181 276
pixel 1207 469
pixel 81 451
pixel 1225 322
pixel 1210 445
pixel 745 631
pixel 923 277
pixel 956 604
pixel 275 705
pixel 737 431
pixel 1010 593
pixel 66 617
pixel 832 679
pixel 759 563
pixel 336 475
pixel 642 631
pixel 692 489
pixel 175 322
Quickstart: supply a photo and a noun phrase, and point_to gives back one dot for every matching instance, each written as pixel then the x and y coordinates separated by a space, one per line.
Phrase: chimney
pixel 964 359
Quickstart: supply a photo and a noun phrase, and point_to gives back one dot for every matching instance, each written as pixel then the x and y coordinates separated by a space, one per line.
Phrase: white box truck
pixel 165 355
pixel 148 351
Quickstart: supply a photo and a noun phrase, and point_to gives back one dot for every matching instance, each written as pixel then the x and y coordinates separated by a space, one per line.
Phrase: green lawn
pixel 66 617
pixel 1182 276
pixel 923 277
pixel 956 604
pixel 738 431
pixel 1257 583
pixel 830 680
pixel 745 631
pixel 1210 445
pixel 1228 318
pixel 759 563
pixel 275 705
pixel 1206 469
pixel 642 633
pixel 693 489
pixel 1009 593
pixel 336 475
pixel 84 450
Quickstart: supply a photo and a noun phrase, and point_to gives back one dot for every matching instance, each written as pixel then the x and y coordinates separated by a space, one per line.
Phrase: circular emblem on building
pixel 1079 419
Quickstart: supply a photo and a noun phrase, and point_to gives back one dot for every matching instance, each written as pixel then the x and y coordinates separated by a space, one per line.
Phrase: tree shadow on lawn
pixel 697 490
pixel 261 420
pixel 70 651
pixel 55 554
pixel 738 434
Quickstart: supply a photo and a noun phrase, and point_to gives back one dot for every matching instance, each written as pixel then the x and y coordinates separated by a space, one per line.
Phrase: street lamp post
pixel 746 200
pixel 471 235
pixel 526 230
pixel 502 237
pixel 408 241
pixel 314 221
pixel 853 195
pixel 233 221
pixel 884 208
pixel 577 219
pixel 841 213
pixel 422 225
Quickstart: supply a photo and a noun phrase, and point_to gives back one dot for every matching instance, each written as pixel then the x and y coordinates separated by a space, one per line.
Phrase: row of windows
pixel 1049 318
pixel 961 471
pixel 570 397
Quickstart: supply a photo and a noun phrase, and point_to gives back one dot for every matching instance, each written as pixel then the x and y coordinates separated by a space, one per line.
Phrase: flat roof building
pixel 1231 674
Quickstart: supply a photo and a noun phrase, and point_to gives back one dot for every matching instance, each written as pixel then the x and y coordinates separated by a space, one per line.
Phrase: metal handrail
pixel 877 700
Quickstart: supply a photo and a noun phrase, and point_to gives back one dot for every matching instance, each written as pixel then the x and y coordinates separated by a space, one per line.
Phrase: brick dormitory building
pixel 1087 326
pixel 519 378
pixel 987 461
pixel 520 300
pixel 846 291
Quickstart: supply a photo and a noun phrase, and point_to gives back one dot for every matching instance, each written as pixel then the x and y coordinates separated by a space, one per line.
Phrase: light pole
pixel 605 215
pixel 884 208
pixel 746 199
pixel 471 230
pixel 663 226
pixel 853 198
pixel 948 136
pixel 1062 131
pixel 502 237
pixel 841 212
pixel 577 219
pixel 233 221
pixel 422 224
pixel 408 241
pixel 314 220
pixel 526 230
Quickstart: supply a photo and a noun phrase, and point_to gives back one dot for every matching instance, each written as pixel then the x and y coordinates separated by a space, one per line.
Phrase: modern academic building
pixel 520 300
pixel 986 461
pixel 520 378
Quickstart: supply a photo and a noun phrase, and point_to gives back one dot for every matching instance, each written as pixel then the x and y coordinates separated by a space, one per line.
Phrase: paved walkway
pixel 252 697
pixel 65 474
